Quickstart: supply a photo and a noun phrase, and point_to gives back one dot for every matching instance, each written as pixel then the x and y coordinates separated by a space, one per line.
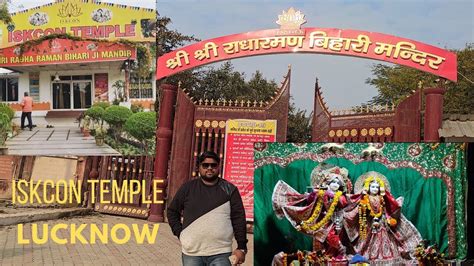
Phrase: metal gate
pixel 121 169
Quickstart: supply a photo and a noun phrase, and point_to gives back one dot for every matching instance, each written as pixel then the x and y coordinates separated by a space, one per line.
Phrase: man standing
pixel 26 108
pixel 212 212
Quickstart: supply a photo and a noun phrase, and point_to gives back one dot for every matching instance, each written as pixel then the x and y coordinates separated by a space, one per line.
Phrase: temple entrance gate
pixel 388 125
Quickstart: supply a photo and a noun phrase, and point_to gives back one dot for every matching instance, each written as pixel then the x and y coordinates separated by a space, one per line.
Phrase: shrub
pixel 5 109
pixel 101 104
pixel 5 127
pixel 100 132
pixel 95 112
pixel 116 115
pixel 142 125
pixel 4 120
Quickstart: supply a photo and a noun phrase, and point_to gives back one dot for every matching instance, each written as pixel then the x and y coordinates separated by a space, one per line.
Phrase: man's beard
pixel 209 179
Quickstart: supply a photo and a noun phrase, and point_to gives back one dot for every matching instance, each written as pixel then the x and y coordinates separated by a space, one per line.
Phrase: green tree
pixel 166 41
pixel 299 125
pixel 395 83
pixel 4 14
pixel 226 83
pixel 460 96
pixel 259 88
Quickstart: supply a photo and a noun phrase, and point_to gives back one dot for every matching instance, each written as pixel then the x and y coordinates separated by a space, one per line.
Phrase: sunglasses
pixel 207 165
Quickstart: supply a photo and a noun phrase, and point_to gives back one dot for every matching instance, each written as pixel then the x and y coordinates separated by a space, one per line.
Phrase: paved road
pixel 166 250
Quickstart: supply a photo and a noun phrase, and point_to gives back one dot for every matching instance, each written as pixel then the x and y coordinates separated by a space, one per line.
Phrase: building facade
pixel 69 54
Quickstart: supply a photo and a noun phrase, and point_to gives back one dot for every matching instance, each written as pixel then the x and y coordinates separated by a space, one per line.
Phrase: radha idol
pixel 318 213
pixel 375 225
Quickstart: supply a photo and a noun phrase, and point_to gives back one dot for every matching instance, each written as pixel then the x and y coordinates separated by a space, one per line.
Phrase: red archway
pixel 332 41
pixel 290 38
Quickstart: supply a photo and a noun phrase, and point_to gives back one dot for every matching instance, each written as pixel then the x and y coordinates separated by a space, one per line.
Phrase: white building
pixel 66 74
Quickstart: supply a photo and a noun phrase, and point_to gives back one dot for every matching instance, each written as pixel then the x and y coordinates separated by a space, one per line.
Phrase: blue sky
pixel 446 24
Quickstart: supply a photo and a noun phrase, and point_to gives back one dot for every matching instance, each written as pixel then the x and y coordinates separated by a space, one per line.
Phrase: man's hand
pixel 240 256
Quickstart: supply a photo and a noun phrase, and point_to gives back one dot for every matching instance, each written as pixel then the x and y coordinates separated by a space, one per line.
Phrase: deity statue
pixel 375 225
pixel 319 212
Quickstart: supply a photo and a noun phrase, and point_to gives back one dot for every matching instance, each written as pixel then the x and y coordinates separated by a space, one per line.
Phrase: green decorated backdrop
pixel 430 177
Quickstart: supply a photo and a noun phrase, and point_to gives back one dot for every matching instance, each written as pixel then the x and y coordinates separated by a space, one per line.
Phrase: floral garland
pixel 362 221
pixel 365 205
pixel 428 255
pixel 306 258
pixel 382 205
pixel 305 224
pixel 317 209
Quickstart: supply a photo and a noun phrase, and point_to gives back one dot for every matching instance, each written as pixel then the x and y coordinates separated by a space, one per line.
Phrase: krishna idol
pixel 318 213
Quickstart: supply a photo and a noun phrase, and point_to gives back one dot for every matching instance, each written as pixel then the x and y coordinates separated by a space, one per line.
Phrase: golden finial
pixel 200 101
pixel 254 103
pixel 212 101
